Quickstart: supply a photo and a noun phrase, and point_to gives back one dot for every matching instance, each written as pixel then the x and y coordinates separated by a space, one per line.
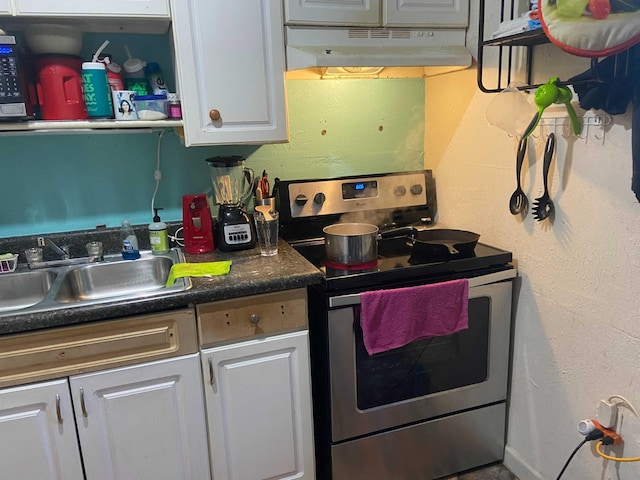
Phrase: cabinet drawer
pixel 65 351
pixel 241 318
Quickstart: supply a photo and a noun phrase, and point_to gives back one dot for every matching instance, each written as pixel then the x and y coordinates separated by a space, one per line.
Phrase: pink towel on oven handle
pixel 396 317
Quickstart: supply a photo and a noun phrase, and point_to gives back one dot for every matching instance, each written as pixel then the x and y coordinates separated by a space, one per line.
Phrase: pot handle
pixel 411 232
pixel 452 249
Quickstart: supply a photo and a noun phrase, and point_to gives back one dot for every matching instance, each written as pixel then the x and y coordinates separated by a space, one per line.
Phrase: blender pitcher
pixel 232 181
pixel 232 186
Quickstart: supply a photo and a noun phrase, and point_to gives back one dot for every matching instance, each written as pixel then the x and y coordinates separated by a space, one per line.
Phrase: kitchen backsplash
pixel 61 183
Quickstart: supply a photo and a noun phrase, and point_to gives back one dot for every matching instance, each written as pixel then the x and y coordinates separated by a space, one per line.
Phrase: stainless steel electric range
pixel 434 407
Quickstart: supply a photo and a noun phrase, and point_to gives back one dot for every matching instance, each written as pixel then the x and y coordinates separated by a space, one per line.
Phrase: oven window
pixel 425 366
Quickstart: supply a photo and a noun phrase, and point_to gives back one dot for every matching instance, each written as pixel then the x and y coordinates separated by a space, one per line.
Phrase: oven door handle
pixel 354 298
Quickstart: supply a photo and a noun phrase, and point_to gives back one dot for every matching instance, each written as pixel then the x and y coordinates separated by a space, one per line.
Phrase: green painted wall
pixel 57 183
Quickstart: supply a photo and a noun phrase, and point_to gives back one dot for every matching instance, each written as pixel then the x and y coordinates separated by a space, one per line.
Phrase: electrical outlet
pixel 607 413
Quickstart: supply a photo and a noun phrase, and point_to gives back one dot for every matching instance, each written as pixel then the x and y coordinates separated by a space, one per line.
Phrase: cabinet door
pixel 230 68
pixel 112 8
pixel 143 421
pixel 38 434
pixel 426 13
pixel 5 7
pixel 332 12
pixel 258 398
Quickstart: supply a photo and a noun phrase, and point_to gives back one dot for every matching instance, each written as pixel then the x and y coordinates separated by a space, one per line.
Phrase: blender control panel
pixel 337 196
pixel 237 234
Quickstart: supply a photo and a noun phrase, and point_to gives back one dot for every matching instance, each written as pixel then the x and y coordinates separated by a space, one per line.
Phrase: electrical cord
pixel 596 434
pixel 615 459
pixel 176 238
pixel 575 450
pixel 624 402
pixel 157 174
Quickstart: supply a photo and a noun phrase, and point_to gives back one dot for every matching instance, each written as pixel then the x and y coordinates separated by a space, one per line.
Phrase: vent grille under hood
pixel 375 47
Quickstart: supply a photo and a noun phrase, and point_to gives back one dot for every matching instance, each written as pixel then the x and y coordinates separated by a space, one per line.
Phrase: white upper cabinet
pixel 380 13
pixel 230 65
pixel 143 422
pixel 5 7
pixel 341 12
pixel 38 433
pixel 437 13
pixel 111 8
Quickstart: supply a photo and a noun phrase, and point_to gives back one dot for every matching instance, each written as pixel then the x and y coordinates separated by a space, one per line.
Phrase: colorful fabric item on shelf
pixel 591 28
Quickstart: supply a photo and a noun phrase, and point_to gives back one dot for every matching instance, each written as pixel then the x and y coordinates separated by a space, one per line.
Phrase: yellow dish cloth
pixel 204 269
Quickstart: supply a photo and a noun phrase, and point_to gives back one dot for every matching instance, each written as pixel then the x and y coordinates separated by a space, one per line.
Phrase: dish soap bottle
pixel 158 235
pixel 129 241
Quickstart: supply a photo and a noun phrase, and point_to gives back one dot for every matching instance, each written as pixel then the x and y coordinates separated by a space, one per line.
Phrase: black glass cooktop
pixel 397 262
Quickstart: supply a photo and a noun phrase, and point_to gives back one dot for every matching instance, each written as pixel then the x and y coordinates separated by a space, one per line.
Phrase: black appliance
pixel 232 186
pixel 434 407
pixel 235 230
pixel 17 96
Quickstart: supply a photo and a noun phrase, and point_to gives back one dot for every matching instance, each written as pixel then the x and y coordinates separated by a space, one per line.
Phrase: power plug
pixel 607 414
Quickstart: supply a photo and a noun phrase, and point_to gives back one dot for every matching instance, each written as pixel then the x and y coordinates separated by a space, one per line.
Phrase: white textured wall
pixel 577 328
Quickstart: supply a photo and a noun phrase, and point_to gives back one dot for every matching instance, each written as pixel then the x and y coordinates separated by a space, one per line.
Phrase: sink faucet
pixel 62 251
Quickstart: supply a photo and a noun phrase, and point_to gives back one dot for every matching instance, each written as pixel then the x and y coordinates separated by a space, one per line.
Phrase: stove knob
pixel 400 191
pixel 416 189
pixel 319 198
pixel 301 199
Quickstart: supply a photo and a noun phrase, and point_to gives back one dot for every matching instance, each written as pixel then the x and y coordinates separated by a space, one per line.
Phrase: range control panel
pixel 338 196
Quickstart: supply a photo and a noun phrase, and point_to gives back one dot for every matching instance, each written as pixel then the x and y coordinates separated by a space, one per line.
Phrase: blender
pixel 232 186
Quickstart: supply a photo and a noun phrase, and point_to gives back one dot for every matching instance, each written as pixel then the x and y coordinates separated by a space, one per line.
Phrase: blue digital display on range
pixel 354 190
pixel 4 50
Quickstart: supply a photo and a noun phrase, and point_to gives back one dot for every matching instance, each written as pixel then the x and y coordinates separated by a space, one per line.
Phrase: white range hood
pixel 374 47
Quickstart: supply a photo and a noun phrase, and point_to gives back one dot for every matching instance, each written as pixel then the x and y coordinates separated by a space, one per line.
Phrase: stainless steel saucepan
pixel 351 243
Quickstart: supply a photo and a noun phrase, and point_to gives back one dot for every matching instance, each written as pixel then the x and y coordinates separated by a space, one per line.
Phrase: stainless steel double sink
pixel 109 280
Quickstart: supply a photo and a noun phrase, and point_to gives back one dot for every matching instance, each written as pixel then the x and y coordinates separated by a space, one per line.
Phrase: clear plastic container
pixel 151 107
pixel 129 241
pixel 155 78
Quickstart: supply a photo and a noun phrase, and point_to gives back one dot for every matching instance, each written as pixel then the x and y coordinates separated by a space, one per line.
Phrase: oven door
pixel 427 378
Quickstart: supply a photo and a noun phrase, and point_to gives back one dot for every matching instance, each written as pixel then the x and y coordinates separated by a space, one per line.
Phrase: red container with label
pixel 59 86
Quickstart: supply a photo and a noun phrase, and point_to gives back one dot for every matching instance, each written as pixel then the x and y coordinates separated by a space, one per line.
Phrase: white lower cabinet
pixel 38 433
pixel 143 422
pixel 140 422
pixel 258 399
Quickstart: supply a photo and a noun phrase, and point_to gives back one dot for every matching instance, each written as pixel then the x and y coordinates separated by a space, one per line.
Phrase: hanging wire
pixel 157 174
pixel 575 450
pixel 615 459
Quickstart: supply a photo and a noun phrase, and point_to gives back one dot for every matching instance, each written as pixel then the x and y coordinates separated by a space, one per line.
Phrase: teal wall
pixel 57 183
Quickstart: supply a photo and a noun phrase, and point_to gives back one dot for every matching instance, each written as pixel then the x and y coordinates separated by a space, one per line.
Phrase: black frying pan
pixel 438 242
pixel 443 242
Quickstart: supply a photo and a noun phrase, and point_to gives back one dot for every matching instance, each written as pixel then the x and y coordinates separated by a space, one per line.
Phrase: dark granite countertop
pixel 250 274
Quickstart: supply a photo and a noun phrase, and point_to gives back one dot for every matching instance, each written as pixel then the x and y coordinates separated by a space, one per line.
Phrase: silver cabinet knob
pixel 255 318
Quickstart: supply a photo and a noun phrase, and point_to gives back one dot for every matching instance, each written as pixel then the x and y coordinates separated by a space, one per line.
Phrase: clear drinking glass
pixel 267 233
pixel 95 249
pixel 33 254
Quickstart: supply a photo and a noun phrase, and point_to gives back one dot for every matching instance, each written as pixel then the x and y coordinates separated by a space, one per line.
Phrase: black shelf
pixel 506 47
pixel 529 38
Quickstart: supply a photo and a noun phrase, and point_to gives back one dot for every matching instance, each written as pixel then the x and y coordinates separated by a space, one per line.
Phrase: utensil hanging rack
pixel 591 126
